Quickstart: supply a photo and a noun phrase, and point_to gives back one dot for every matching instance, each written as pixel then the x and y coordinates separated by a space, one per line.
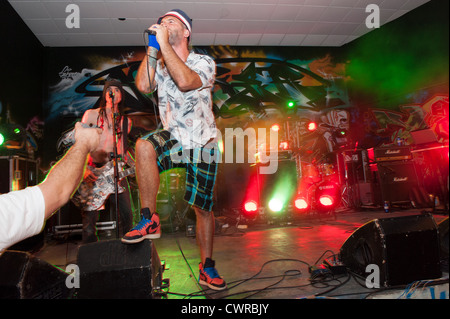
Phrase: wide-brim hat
pixel 112 82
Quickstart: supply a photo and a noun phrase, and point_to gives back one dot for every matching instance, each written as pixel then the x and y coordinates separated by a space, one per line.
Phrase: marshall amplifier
pixel 392 153
pixel 397 181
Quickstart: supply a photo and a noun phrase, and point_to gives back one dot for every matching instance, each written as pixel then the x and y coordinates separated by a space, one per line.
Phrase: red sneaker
pixel 210 277
pixel 145 229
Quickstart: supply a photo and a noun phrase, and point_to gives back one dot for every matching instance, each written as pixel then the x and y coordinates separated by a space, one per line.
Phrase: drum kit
pixel 320 181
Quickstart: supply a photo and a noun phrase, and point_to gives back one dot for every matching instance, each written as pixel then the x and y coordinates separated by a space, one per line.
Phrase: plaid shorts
pixel 200 164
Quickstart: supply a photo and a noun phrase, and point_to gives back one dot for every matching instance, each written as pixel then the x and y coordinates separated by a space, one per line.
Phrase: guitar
pixel 92 196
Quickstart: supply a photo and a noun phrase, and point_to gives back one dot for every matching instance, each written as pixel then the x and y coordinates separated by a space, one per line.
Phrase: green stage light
pixel 341 133
pixel 285 187
pixel 2 139
pixel 275 205
pixel 291 104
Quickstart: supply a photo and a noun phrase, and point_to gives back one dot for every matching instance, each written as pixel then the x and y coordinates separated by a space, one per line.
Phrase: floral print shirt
pixel 188 116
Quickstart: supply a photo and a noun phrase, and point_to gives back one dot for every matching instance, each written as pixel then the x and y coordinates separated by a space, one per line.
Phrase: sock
pixel 209 263
pixel 146 213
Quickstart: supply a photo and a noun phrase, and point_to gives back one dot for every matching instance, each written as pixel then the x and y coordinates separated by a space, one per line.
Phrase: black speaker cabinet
pixel 17 173
pixel 397 180
pixel 110 269
pixel 405 249
pixel 23 276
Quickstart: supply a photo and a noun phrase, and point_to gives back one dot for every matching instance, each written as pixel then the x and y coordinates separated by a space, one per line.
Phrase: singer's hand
pixel 162 33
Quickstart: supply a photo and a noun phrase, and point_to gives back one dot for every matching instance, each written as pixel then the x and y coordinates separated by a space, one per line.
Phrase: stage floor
pixel 264 261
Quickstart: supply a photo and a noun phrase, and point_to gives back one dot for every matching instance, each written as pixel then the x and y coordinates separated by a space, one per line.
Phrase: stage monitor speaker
pixel 112 270
pixel 405 249
pixel 397 180
pixel 23 276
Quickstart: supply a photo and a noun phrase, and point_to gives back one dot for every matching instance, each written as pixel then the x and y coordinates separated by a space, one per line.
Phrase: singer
pixel 87 197
pixel 184 81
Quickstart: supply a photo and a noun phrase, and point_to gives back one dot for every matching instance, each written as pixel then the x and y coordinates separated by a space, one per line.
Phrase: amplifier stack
pixel 397 174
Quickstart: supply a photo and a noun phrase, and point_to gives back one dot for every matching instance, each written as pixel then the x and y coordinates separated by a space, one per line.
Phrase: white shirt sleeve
pixel 22 215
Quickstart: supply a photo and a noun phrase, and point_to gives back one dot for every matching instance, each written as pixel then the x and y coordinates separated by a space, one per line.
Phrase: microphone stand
pixel 116 165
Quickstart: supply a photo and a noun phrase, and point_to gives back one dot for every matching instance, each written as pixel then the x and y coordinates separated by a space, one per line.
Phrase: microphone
pixel 111 94
pixel 153 32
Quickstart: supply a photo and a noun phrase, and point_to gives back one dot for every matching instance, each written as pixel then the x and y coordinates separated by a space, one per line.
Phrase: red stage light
pixel 250 206
pixel 326 200
pixel 312 126
pixel 301 203
pixel 327 195
pixel 284 145
pixel 275 127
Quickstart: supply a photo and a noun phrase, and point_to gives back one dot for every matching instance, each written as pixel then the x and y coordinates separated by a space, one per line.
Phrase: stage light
pixel 250 206
pixel 251 202
pixel 341 133
pixel 301 203
pixel 312 126
pixel 290 104
pixel 275 205
pixel 275 127
pixel 327 195
pixel 283 188
pixel 13 140
pixel 326 200
pixel 284 145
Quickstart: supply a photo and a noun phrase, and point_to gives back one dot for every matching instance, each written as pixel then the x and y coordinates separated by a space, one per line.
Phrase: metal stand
pixel 116 167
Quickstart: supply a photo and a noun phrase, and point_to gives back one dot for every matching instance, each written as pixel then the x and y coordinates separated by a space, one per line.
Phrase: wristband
pixel 152 42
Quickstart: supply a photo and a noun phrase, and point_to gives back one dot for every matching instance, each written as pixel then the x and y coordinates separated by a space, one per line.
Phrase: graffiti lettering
pixel 66 74
pixel 251 84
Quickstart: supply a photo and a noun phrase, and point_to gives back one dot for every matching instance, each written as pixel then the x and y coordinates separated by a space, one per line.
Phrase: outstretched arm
pixel 64 178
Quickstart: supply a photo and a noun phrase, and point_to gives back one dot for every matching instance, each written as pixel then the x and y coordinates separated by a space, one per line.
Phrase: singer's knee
pixel 145 150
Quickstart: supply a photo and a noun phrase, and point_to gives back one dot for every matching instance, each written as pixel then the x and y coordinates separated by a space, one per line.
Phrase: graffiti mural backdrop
pixel 254 87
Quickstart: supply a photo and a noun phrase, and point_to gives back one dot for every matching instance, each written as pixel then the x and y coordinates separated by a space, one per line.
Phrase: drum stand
pixel 346 189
